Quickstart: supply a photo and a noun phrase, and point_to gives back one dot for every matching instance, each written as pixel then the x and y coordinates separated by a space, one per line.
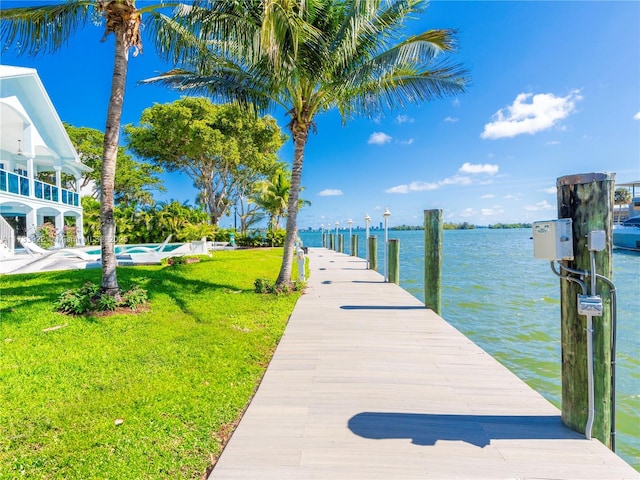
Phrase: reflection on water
pixel 497 294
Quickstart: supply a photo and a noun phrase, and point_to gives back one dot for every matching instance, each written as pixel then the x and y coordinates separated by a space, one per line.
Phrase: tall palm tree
pixel 314 55
pixel 46 28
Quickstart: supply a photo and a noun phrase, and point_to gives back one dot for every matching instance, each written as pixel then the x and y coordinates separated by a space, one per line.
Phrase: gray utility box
pixel 553 240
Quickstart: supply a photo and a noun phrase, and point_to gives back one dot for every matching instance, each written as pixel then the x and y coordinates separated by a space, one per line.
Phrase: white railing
pixel 7 238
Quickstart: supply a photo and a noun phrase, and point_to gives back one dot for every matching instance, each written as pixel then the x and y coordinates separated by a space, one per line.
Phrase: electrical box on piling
pixel 553 239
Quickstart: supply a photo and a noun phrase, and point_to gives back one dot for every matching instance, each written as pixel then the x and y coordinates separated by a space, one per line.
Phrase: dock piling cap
pixel 582 178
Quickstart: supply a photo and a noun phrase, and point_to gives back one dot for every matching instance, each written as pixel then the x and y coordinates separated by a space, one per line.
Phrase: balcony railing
pixel 19 184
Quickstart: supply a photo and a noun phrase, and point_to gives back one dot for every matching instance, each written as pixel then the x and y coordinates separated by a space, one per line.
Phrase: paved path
pixel 368 384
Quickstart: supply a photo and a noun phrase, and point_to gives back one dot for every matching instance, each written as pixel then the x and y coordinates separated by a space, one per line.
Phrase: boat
pixel 626 235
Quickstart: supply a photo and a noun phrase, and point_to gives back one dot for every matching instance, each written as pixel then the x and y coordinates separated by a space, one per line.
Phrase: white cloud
pixel 553 142
pixel 379 138
pixel 542 112
pixel 488 212
pixel 488 195
pixel 479 168
pixel 455 102
pixel 468 212
pixel 451 119
pixel 543 205
pixel 549 190
pixel 468 168
pixel 406 142
pixel 330 192
pixel 636 116
pixel 404 119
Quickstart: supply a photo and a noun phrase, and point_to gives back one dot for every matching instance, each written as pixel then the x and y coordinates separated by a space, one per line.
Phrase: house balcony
pixel 19 183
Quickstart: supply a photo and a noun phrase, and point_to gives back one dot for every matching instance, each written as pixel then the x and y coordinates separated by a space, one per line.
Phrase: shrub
pixel 262 285
pixel 135 297
pixel 276 238
pixel 46 235
pixel 70 236
pixel 89 299
pixel 249 239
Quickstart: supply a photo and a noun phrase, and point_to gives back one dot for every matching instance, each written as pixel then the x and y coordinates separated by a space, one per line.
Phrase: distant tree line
pixel 465 226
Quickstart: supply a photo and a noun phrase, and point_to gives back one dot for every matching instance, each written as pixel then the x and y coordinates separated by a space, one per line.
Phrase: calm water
pixel 507 302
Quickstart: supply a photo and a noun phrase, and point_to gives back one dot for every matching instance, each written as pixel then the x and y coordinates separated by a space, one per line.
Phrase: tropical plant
pixel 272 196
pixel 216 146
pixel 46 28
pixel 621 196
pixel 315 55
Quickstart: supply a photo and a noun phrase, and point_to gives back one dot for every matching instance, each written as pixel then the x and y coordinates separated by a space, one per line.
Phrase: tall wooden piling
pixel 588 200
pixel 393 247
pixel 341 243
pixel 331 242
pixel 324 240
pixel 373 252
pixel 354 245
pixel 433 259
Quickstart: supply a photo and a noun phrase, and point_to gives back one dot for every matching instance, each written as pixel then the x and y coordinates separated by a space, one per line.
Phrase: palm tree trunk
pixel 300 136
pixel 111 137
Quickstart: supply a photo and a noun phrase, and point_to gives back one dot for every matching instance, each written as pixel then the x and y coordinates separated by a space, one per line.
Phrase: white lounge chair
pixel 200 246
pixel 34 249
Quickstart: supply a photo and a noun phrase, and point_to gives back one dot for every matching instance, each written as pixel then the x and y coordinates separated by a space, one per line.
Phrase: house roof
pixel 25 103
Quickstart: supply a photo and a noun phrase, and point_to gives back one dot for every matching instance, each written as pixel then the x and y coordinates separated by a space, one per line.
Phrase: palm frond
pixel 224 83
pixel 43 29
pixel 401 87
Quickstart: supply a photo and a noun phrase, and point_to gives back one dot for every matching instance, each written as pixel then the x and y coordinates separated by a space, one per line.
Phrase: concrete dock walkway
pixel 368 384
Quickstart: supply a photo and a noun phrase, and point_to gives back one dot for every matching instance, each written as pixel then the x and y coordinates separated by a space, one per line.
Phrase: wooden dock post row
pixel 354 245
pixel 433 260
pixel 373 252
pixel 394 261
pixel 340 248
pixel 588 200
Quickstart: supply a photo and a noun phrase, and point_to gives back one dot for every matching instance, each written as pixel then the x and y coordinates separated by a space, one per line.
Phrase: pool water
pixel 139 248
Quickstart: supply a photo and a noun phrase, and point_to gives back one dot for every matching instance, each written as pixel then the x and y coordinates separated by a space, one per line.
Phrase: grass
pixel 178 375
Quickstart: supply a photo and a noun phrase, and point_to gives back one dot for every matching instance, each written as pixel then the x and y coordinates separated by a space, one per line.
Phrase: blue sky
pixel 555 90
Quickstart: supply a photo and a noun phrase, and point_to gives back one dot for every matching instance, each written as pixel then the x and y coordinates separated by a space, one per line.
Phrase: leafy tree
pixel 621 196
pixel 47 27
pixel 272 196
pixel 314 55
pixel 216 146
pixel 134 180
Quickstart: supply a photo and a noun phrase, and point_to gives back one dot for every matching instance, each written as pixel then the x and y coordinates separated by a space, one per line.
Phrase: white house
pixel 39 168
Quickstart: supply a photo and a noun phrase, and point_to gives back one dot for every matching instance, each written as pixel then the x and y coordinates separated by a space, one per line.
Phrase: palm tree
pixel 272 196
pixel 621 196
pixel 314 55
pixel 46 28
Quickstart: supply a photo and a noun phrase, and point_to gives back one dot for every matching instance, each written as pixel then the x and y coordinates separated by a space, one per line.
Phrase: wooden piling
pixel 331 242
pixel 433 259
pixel 393 246
pixel 354 245
pixel 373 252
pixel 341 243
pixel 588 200
pixel 324 240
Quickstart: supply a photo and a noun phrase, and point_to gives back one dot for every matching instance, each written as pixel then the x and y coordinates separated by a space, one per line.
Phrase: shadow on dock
pixel 383 307
pixel 478 430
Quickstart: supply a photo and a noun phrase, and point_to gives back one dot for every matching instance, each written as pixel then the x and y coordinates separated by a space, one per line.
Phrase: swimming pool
pixel 138 248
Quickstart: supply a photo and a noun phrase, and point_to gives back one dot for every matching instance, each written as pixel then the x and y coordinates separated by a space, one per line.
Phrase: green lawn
pixel 178 375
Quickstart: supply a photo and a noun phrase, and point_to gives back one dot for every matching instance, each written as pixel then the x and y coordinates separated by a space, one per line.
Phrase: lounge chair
pixel 151 255
pixel 34 249
pixel 200 246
